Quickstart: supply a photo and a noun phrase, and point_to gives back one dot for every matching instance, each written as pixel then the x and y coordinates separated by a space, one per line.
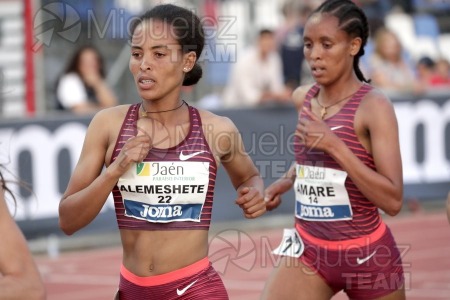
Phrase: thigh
pixel 293 280
pixel 380 276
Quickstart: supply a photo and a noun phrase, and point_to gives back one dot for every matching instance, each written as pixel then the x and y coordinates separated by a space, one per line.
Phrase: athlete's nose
pixel 315 52
pixel 145 64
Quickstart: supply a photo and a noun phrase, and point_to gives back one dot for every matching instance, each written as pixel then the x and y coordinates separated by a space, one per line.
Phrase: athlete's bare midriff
pixel 149 253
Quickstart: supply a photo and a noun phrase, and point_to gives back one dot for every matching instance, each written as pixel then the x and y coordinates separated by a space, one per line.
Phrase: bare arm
pixel 383 186
pixel 283 184
pixel 19 276
pixel 88 187
pixel 243 173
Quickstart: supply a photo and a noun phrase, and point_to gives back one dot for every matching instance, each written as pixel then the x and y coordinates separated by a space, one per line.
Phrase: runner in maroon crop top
pixel 348 166
pixel 161 158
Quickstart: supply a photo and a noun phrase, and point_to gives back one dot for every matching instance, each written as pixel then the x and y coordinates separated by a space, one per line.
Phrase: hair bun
pixel 193 76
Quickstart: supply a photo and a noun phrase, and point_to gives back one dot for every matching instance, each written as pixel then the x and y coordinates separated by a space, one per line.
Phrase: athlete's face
pixel 328 50
pixel 157 62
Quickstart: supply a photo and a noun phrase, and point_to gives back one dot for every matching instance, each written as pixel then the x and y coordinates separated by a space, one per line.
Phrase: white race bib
pixel 291 244
pixel 165 191
pixel 321 195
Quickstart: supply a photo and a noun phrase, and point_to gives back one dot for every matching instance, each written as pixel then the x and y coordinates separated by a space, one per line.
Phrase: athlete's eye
pixel 136 54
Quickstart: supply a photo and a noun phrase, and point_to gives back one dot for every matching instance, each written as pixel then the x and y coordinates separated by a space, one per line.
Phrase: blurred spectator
pixel 441 76
pixel 425 70
pixel 82 88
pixel 388 68
pixel 290 41
pixel 256 77
pixel 434 74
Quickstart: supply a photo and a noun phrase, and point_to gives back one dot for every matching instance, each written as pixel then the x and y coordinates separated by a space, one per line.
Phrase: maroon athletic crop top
pixel 172 188
pixel 328 204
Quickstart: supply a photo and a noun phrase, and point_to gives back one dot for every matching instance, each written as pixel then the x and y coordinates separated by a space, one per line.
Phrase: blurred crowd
pixel 272 65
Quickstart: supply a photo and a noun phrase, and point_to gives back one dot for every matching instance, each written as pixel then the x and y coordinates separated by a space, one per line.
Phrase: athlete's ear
pixel 355 45
pixel 189 61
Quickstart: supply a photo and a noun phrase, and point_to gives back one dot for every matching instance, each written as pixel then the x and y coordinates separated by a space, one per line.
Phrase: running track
pixel 243 258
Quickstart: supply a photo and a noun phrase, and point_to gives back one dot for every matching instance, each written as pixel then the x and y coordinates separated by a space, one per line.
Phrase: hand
pixel 274 191
pixel 133 151
pixel 92 78
pixel 314 133
pixel 251 201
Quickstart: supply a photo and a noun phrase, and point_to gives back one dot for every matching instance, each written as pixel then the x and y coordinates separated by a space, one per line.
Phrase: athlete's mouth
pixel 317 69
pixel 146 81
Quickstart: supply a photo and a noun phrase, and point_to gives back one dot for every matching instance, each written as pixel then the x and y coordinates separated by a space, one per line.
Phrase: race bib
pixel 163 192
pixel 321 195
pixel 291 244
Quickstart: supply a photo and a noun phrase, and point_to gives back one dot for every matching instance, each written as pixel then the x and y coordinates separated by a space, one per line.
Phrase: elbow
pixel 64 222
pixel 65 227
pixel 393 211
pixel 396 207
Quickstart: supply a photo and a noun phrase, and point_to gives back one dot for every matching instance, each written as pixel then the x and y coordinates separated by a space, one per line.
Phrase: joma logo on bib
pixel 316 212
pixel 156 212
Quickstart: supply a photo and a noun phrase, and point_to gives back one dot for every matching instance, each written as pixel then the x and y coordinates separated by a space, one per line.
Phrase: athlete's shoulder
pixel 111 113
pixel 375 99
pixel 216 122
pixel 109 117
pixel 376 107
pixel 299 94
